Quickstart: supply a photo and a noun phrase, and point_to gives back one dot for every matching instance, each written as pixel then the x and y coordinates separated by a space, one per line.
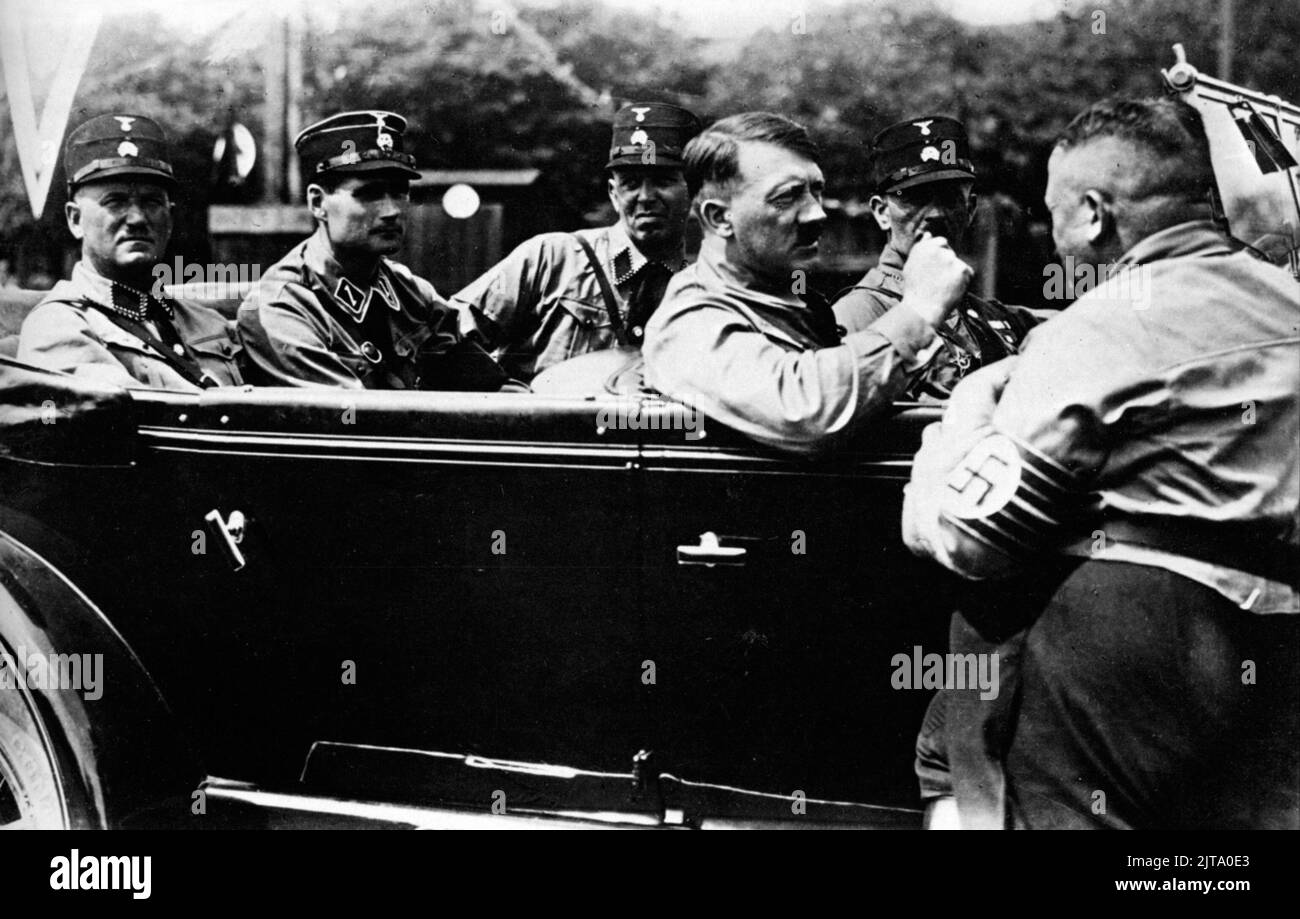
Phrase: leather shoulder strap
pixel 606 291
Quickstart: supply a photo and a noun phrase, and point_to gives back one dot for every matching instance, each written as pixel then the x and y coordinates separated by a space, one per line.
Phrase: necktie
pixel 645 291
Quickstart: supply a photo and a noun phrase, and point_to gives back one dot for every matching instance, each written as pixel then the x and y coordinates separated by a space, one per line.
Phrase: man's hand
pixel 934 279
pixel 967 421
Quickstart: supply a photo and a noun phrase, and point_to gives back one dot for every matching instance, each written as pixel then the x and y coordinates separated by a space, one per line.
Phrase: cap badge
pixel 125 121
pixel 384 140
pixel 924 126
pixel 639 137
pixel 640 111
pixel 929 153
pixel 126 148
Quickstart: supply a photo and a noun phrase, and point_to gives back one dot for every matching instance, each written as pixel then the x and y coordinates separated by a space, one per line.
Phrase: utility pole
pixel 1225 40
pixel 275 190
pixel 283 68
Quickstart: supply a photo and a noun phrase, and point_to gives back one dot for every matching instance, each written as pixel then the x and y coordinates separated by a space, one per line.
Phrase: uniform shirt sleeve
pixel 1051 407
pixel 286 344
pixel 501 305
pixel 858 308
pixel 707 354
pixel 57 336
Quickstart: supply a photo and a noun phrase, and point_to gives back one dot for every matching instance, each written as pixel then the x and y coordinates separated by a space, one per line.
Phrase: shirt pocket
pixel 572 328
pixel 218 355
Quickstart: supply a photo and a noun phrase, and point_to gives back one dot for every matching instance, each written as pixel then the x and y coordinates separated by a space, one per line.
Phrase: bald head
pixel 1124 169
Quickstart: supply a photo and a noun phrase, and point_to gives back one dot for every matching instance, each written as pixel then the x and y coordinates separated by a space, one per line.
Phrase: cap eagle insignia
pixel 384 140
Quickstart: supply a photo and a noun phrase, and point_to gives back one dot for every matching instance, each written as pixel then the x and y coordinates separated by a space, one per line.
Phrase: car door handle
pixel 709 553
pixel 229 533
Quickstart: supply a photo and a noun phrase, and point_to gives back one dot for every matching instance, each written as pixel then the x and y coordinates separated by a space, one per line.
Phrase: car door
pixel 779 594
pixel 450 572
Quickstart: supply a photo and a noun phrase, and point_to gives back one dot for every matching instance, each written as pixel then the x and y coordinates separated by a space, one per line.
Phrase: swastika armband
pixel 1011 497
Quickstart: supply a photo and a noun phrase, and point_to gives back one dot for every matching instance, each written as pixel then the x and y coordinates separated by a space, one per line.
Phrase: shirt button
pixel 638 331
pixel 178 349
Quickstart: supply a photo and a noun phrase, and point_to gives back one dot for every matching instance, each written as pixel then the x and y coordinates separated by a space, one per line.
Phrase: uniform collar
pixel 713 266
pixel 625 259
pixel 92 285
pixel 353 299
pixel 98 289
pixel 1195 237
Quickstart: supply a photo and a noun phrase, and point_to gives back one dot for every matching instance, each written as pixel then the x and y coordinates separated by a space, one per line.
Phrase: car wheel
pixel 31 792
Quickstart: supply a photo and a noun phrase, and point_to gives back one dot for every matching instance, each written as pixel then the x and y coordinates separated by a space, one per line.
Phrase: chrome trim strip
pixel 427 818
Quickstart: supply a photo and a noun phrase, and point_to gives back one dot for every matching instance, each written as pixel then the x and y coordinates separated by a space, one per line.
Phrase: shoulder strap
pixel 141 331
pixel 606 291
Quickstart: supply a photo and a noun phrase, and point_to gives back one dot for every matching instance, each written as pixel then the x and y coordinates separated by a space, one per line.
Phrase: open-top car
pixel 263 605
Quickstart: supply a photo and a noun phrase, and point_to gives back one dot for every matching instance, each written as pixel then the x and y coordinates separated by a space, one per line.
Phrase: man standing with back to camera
pixel 1143 445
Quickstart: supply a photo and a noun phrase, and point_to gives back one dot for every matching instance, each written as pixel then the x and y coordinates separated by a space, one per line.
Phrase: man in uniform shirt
pixel 335 311
pixel 561 295
pixel 1144 445
pixel 924 181
pixel 731 337
pixel 111 321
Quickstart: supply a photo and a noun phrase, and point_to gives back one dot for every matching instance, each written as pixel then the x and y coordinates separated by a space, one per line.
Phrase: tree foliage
pixel 484 89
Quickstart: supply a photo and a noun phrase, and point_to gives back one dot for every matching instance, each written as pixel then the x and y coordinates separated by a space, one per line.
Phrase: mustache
pixel 808 233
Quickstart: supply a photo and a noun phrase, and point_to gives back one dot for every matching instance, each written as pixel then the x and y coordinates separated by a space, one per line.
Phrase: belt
pixel 1230 545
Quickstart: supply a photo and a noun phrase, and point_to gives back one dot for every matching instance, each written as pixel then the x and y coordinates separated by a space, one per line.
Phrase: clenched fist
pixel 934 279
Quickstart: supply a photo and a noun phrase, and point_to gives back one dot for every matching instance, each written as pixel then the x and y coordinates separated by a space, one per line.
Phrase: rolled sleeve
pixel 501 303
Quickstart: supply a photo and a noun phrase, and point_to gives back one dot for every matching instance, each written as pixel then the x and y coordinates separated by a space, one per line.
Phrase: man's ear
pixel 715 216
pixel 880 210
pixel 72 212
pixel 1101 219
pixel 316 201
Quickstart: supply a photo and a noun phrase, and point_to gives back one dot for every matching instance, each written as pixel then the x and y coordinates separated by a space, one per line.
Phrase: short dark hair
pixel 713 156
pixel 1167 129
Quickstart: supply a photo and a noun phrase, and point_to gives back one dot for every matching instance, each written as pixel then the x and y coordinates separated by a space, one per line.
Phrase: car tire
pixel 33 794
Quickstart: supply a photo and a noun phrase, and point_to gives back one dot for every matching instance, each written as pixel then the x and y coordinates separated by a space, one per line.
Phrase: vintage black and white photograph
pixel 662 414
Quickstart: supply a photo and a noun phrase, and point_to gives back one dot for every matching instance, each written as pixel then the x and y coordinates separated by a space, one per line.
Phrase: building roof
pixel 488 178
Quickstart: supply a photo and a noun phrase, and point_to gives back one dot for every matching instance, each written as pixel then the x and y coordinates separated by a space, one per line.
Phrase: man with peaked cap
pixel 336 311
pixel 924 183
pixel 560 295
pixel 111 320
